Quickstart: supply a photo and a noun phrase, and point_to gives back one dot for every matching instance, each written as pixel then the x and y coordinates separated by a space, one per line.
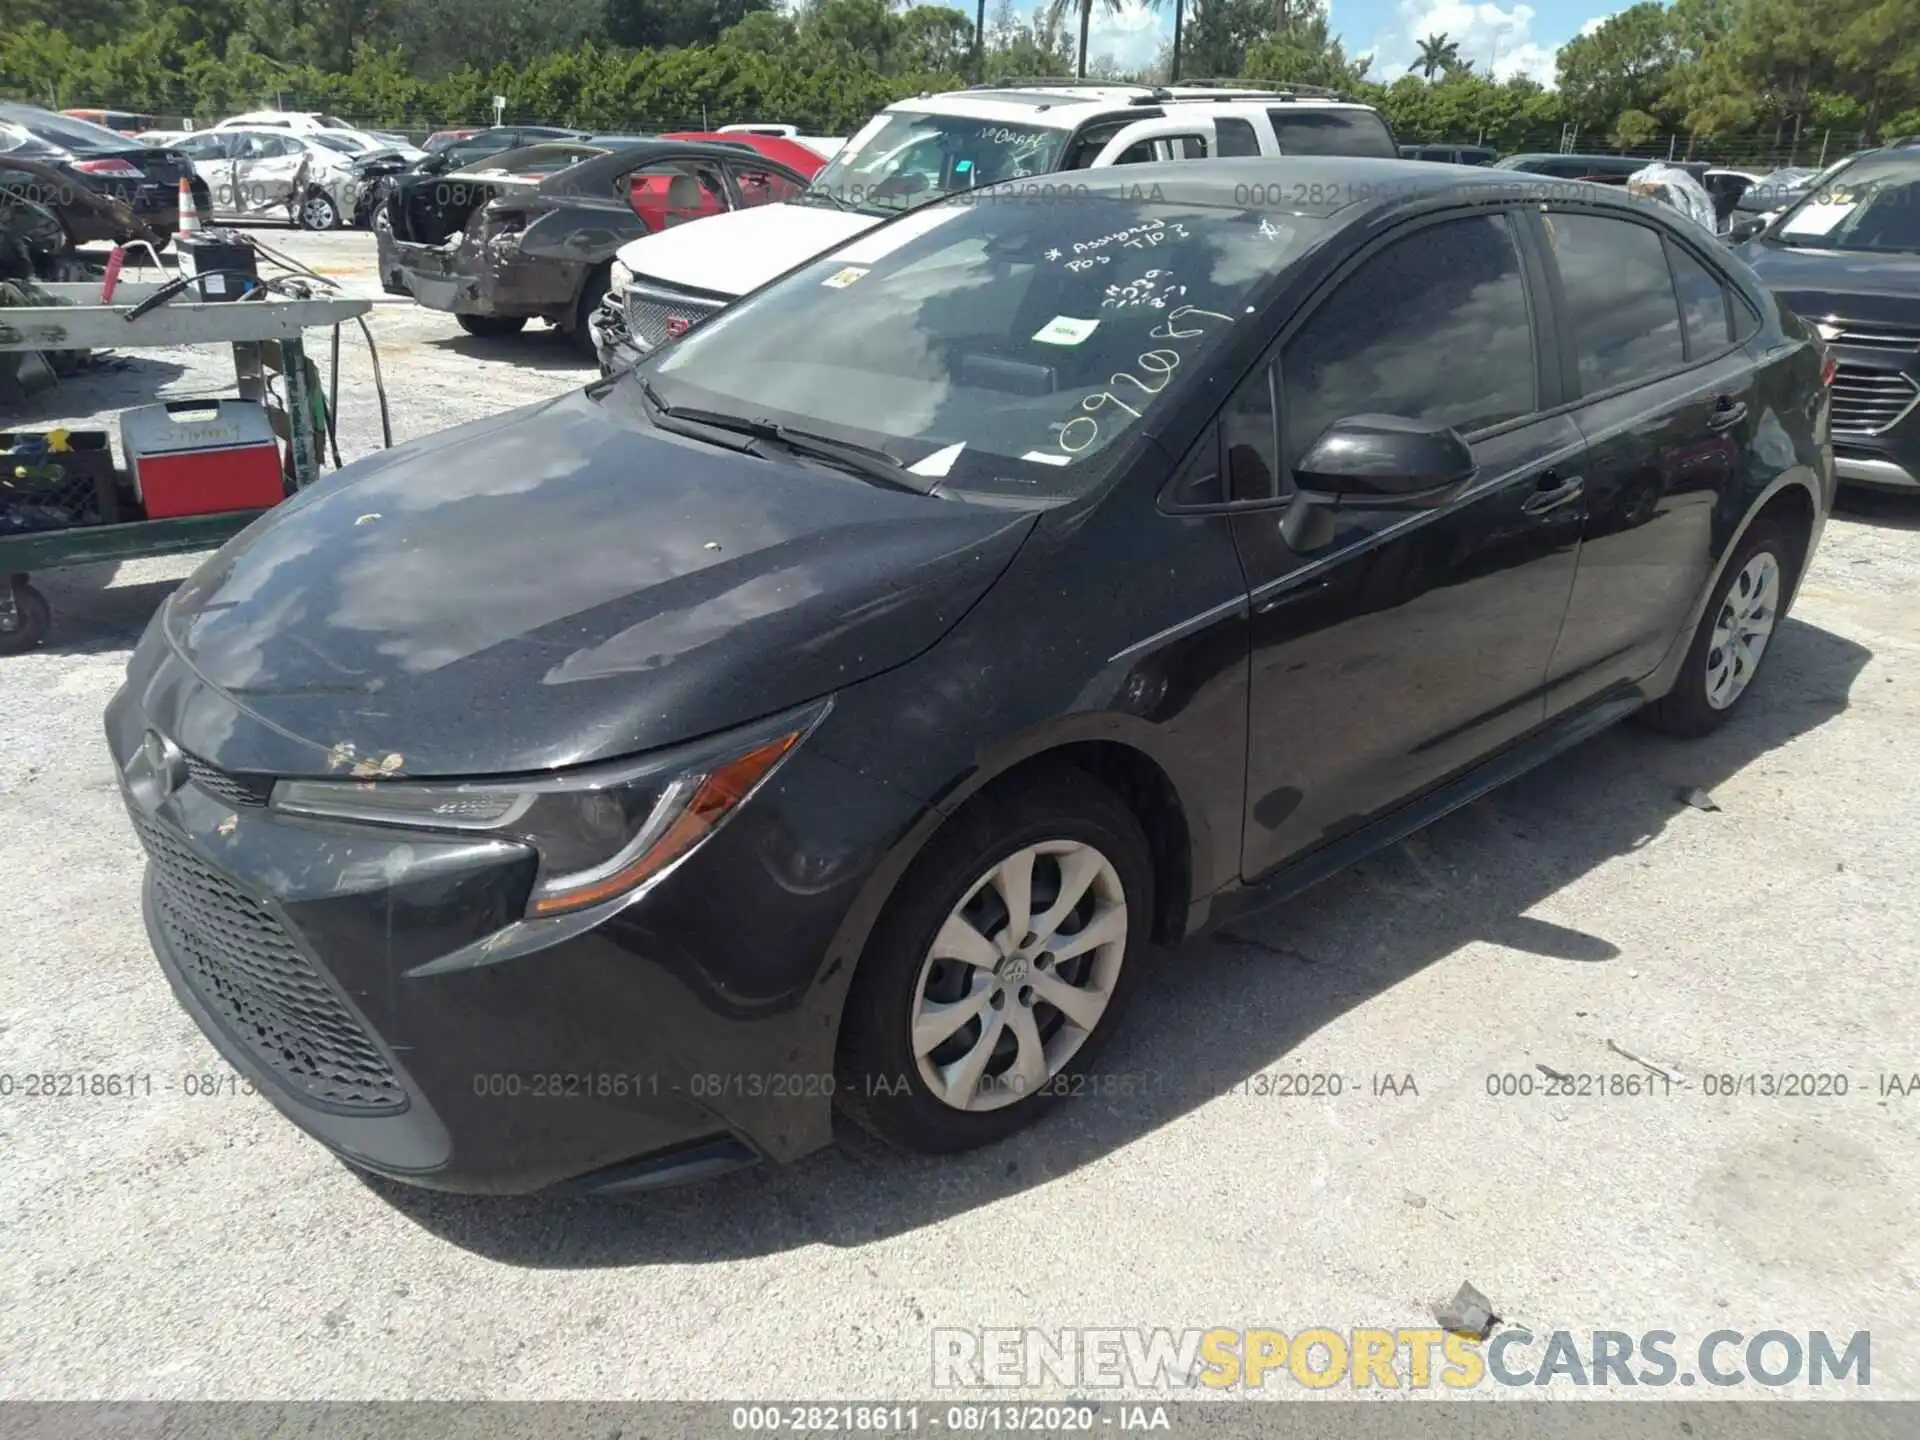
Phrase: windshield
pixel 1870 204
pixel 345 144
pixel 901 159
pixel 1006 344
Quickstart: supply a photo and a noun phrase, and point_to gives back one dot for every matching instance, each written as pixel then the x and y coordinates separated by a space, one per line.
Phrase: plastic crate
pixel 46 489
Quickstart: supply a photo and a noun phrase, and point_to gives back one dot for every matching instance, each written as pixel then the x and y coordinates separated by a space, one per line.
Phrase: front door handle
pixel 1727 414
pixel 1555 490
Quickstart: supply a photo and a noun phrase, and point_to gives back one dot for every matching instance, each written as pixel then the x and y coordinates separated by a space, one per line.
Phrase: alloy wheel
pixel 1742 629
pixel 1019 975
pixel 319 213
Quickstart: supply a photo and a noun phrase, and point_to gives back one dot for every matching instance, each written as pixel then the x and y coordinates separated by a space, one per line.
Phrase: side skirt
pixel 1295 876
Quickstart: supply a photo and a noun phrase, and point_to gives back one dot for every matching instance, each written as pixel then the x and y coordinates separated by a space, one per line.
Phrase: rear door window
pixel 1356 131
pixel 1703 305
pixel 1619 297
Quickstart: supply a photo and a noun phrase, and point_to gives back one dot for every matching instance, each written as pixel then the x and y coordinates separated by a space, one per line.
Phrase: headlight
pixel 618 278
pixel 601 831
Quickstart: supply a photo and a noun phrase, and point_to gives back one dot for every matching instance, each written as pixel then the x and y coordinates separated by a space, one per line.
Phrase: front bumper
pixel 1876 413
pixel 380 988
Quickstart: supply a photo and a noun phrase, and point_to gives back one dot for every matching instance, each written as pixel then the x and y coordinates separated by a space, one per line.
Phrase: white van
pixel 916 151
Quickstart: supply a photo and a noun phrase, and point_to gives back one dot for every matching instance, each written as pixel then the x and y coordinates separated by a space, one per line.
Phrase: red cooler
pixel 199 457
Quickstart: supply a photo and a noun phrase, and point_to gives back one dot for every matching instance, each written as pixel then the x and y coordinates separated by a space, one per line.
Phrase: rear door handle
pixel 1555 490
pixel 1727 414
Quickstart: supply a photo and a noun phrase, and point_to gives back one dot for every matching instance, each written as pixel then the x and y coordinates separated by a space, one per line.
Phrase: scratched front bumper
pixel 315 957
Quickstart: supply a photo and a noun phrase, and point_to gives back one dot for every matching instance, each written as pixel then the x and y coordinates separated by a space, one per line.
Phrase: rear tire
pixel 951 1038
pixel 318 212
pixel 1737 632
pixel 28 624
pixel 492 327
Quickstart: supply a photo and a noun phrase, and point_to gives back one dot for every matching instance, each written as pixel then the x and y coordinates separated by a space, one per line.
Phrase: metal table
pixel 266 335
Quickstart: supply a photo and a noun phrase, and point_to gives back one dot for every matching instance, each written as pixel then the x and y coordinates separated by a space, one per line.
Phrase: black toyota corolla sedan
pixel 830 712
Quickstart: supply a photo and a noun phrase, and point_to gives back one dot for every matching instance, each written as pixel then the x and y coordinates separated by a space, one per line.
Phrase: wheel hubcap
pixel 319 214
pixel 1742 629
pixel 1019 975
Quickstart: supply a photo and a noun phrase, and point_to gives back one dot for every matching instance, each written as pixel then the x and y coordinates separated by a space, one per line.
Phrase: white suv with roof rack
pixel 917 151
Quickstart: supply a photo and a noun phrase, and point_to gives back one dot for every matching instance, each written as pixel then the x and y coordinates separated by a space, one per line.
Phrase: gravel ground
pixel 192 1246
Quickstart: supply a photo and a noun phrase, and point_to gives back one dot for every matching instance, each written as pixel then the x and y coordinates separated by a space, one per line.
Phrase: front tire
pixel 591 294
pixel 491 327
pixel 1000 967
pixel 1735 635
pixel 27 626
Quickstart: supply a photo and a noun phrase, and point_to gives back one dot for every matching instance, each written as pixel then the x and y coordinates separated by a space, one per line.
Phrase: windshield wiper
pixel 810 195
pixel 862 460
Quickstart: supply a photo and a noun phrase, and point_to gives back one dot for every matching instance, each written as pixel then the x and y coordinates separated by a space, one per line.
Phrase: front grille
pixel 1868 401
pixel 245 968
pixel 651 315
pixel 1898 342
pixel 251 790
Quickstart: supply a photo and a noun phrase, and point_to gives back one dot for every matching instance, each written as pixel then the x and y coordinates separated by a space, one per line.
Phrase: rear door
pixel 1402 647
pixel 1649 339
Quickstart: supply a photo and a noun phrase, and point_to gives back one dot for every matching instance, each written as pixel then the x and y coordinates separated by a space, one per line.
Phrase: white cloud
pixel 1498 41
pixel 1129 40
pixel 1596 22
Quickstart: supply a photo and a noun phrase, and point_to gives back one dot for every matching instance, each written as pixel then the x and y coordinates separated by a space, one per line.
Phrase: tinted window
pixel 1236 137
pixel 1388 338
pixel 1248 431
pixel 1332 132
pixel 1619 296
pixel 1703 305
pixel 1745 319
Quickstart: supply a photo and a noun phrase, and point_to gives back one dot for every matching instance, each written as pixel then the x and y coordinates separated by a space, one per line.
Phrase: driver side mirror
pixel 1384 462
pixel 1746 229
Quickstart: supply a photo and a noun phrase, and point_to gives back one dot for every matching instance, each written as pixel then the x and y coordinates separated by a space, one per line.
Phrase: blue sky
pixel 1508 39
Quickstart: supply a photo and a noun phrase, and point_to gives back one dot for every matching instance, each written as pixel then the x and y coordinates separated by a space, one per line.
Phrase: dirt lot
pixel 1585 920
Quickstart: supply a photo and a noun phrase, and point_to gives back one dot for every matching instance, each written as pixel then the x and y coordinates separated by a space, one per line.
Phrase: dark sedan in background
pixel 94 161
pixel 1846 257
pixel 597 793
pixel 532 233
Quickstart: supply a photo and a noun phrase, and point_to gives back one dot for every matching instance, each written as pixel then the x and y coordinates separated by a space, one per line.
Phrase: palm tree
pixel 1057 10
pixel 1179 20
pixel 1437 55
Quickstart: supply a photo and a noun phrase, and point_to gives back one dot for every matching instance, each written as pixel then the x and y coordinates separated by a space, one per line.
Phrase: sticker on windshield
pixel 939 464
pixel 840 279
pixel 1065 330
pixel 1047 457
pixel 1818 219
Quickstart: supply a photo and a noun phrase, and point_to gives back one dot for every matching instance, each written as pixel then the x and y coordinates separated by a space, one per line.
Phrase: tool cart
pixel 266 332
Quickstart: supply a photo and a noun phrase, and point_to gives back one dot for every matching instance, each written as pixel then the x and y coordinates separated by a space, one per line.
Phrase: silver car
pixel 258 174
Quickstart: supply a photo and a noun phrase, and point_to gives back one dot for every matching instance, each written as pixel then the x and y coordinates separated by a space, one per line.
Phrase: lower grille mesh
pixel 246 969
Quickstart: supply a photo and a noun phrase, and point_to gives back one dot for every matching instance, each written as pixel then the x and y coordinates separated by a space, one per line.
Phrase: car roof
pixel 1351 185
pixel 1065 104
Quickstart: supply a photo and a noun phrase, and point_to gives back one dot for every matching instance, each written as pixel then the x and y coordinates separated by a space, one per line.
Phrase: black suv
pixel 1846 257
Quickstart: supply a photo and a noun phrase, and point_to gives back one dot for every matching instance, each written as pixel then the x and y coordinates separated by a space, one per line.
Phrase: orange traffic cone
pixel 189 210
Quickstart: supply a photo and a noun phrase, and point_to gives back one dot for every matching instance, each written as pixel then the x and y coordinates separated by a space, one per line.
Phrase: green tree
pixel 1624 65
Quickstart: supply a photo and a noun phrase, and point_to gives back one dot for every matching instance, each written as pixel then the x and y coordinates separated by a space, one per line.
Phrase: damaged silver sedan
pixel 531 234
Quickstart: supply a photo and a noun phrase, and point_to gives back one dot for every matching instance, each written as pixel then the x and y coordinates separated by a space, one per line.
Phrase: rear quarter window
pixel 1333 132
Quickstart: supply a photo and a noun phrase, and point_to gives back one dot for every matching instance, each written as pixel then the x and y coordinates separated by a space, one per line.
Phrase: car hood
pixel 552 586
pixel 1882 290
pixel 740 251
